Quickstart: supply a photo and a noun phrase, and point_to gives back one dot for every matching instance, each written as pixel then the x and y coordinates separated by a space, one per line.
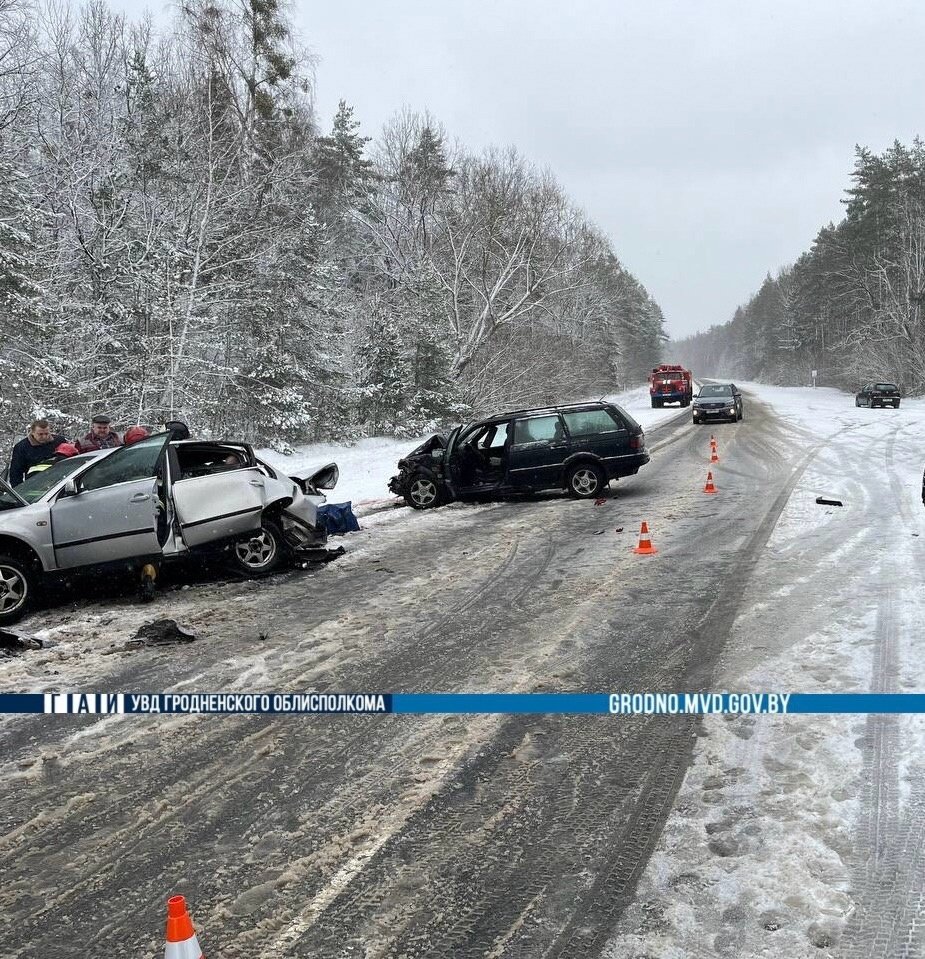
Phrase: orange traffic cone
pixel 710 488
pixel 645 547
pixel 714 458
pixel 181 937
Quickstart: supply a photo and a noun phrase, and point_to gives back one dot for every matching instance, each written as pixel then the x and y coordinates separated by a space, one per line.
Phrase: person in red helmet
pixel 133 434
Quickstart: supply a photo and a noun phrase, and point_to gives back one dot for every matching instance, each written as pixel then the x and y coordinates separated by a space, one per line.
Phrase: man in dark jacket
pixel 62 452
pixel 39 445
pixel 101 436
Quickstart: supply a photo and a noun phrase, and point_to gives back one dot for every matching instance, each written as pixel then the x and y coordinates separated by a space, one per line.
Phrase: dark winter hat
pixel 102 419
pixel 177 430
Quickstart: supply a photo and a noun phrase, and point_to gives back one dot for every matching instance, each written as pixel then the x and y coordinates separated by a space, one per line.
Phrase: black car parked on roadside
pixel 717 401
pixel 878 394
pixel 579 448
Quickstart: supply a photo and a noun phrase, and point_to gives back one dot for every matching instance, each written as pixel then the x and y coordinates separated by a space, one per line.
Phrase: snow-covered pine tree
pixel 382 373
pixel 343 173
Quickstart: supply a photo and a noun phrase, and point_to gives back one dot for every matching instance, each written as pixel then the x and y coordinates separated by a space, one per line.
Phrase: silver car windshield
pixel 715 391
pixel 37 485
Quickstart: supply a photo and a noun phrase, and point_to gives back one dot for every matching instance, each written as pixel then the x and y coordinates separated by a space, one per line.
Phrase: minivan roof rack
pixel 544 409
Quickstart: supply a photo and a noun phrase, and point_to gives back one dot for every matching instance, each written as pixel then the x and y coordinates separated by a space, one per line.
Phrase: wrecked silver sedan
pixel 154 501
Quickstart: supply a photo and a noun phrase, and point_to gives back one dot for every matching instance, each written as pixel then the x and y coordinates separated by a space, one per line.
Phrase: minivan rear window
pixel 628 420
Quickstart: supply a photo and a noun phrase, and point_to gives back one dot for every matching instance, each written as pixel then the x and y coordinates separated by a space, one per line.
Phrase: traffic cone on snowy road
pixel 710 488
pixel 181 937
pixel 645 547
pixel 714 457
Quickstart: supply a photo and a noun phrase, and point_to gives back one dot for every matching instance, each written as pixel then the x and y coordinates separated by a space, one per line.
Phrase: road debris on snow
pixel 160 632
pixel 12 644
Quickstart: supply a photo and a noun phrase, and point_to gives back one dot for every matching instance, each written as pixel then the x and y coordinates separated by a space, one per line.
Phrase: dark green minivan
pixel 579 448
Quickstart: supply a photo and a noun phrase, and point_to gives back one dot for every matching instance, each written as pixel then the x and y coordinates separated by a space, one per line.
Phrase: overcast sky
pixel 709 139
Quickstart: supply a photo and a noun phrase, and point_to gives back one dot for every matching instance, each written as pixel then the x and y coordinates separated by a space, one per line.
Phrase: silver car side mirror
pixel 70 487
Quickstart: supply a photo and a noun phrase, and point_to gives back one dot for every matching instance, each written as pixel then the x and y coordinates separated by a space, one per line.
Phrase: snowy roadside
pixel 796 835
pixel 366 466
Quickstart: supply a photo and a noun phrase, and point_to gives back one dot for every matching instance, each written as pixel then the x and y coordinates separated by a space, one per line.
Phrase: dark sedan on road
pixel 579 448
pixel 878 394
pixel 717 401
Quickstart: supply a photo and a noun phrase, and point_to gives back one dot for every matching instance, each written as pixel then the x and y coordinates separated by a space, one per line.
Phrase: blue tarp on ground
pixel 338 518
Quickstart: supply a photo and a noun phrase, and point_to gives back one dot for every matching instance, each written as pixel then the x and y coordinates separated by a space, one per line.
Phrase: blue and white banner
pixel 614 704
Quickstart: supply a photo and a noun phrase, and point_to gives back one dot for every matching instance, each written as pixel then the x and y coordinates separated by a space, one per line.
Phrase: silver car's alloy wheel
pixel 14 589
pixel 585 481
pixel 423 492
pixel 258 551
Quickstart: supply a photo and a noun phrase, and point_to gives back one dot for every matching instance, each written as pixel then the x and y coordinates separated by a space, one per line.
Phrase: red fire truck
pixel 671 384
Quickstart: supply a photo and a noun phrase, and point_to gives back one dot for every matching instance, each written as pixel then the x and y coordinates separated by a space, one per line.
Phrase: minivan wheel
pixel 422 493
pixel 585 480
pixel 18 585
pixel 259 553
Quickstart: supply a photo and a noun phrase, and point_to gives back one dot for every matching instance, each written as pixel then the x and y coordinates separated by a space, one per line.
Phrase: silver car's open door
pixel 219 506
pixel 113 509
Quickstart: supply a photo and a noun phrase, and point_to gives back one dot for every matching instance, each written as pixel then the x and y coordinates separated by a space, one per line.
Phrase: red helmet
pixel 66 449
pixel 133 434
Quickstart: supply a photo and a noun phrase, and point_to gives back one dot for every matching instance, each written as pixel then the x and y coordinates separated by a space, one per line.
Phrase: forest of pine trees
pixel 852 306
pixel 179 239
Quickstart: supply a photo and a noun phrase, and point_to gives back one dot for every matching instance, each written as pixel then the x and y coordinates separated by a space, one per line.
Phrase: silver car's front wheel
pixel 16 589
pixel 260 552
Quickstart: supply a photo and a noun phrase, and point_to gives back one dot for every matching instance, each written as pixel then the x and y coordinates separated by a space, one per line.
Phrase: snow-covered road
pixel 523 835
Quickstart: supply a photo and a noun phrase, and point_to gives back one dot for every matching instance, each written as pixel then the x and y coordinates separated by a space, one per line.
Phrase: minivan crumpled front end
pixel 427 456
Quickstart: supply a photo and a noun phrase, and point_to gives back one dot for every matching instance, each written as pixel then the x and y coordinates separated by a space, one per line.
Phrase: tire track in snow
pixel 880 797
pixel 887 922
pixel 615 887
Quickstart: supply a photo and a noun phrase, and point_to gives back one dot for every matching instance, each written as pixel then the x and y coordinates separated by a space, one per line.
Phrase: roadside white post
pixel 814 379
